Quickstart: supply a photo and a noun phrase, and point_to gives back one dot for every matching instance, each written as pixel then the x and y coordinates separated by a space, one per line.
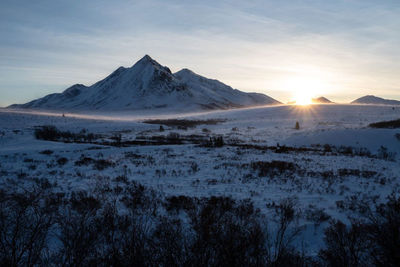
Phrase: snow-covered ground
pixel 322 176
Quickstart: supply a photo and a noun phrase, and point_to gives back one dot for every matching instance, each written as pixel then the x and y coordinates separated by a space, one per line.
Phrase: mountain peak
pixel 146 61
pixel 146 58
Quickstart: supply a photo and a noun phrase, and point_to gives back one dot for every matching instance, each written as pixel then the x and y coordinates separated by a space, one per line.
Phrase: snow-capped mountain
pixel 321 100
pixel 370 99
pixel 148 85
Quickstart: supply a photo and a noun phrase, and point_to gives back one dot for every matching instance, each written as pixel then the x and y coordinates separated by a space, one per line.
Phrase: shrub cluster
pixel 374 240
pixel 98 164
pixel 135 226
pixel 386 124
pixel 51 133
pixel 273 168
pixel 215 141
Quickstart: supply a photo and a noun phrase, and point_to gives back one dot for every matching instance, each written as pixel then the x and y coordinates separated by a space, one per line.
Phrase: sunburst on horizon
pixel 304 89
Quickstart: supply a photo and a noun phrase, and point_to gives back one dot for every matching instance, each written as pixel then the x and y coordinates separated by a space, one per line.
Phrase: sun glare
pixel 303 100
pixel 304 89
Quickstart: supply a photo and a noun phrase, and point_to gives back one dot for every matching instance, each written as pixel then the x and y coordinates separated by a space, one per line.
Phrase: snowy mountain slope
pixel 148 85
pixel 66 98
pixel 370 99
pixel 207 90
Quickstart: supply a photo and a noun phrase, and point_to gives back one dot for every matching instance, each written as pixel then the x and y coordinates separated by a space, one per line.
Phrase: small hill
pixel 321 100
pixel 370 99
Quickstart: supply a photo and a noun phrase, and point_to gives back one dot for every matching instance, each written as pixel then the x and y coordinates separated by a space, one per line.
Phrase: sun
pixel 304 89
pixel 303 100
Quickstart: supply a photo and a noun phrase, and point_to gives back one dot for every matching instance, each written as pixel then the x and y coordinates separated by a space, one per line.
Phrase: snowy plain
pixel 321 180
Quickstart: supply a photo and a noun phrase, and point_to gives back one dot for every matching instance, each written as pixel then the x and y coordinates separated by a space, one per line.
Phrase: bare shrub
pixel 384 232
pixel 227 234
pixel 384 153
pixel 78 232
pixel 273 168
pixel 102 164
pixel 24 228
pixel 62 161
pixel 280 251
pixel 46 152
pixel 345 245
pixel 216 141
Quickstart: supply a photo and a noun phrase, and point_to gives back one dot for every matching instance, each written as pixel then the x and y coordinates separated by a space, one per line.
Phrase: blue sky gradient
pixel 341 49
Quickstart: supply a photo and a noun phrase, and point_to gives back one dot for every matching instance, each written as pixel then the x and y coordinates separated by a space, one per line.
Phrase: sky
pixel 340 49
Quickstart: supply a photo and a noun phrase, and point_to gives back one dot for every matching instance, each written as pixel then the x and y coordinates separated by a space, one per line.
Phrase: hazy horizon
pixel 341 50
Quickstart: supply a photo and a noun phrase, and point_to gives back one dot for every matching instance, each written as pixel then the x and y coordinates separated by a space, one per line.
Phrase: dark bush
pixel 62 161
pixel 117 138
pixel 177 203
pixel 46 152
pixel 386 124
pixel 84 161
pixel 51 133
pixel 345 245
pixel 327 148
pixel 273 168
pixel 384 153
pixel 217 141
pixel 317 215
pixel 373 241
pixel 171 246
pixel 102 164
pixel 384 232
pixel 280 250
pixel 79 232
pixel 47 132
pixel 172 136
pixel 227 234
pixel 128 226
pixel 24 228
